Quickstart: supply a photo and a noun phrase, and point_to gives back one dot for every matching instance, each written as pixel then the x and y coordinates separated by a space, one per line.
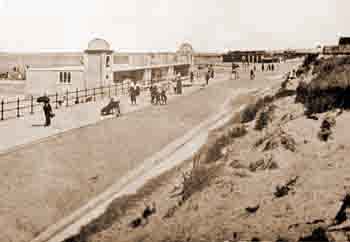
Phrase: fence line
pixel 21 107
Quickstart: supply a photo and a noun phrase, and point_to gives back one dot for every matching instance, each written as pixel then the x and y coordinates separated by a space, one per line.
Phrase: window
pixel 65 77
pixel 108 59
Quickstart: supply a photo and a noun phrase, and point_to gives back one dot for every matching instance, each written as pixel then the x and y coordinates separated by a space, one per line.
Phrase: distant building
pixel 344 41
pixel 343 47
pixel 245 56
pixel 207 58
pixel 100 66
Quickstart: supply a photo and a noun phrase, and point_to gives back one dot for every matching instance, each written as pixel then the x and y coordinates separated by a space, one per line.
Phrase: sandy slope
pixel 217 211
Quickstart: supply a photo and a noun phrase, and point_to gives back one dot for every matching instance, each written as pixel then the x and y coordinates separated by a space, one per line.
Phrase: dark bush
pixel 264 118
pixel 197 178
pixel 301 92
pixel 213 150
pixel 309 59
pixel 249 112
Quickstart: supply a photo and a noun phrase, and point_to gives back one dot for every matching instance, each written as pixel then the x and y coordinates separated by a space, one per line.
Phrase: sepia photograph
pixel 174 121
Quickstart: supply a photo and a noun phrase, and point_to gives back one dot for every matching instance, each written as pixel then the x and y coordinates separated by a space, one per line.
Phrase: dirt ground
pixel 278 183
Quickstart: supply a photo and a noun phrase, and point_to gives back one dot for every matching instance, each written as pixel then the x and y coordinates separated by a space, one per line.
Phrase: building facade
pixel 100 66
pixel 343 47
pixel 245 56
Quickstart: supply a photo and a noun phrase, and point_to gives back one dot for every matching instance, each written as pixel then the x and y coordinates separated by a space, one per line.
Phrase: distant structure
pixel 344 41
pixel 343 47
pixel 244 56
pixel 253 56
pixel 100 66
pixel 199 58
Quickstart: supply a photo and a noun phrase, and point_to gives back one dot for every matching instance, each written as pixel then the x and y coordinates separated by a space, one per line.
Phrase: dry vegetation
pixel 330 87
pixel 264 176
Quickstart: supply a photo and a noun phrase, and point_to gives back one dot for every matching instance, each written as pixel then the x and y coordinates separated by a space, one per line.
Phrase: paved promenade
pixel 45 181
pixel 30 128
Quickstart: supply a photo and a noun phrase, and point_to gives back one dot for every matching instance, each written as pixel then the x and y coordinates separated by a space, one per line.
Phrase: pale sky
pixel 162 25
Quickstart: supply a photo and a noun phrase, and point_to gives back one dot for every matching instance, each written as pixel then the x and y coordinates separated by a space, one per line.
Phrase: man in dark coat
pixel 252 75
pixel 48 113
pixel 178 85
pixel 212 73
pixel 207 77
pixel 153 94
pixel 132 93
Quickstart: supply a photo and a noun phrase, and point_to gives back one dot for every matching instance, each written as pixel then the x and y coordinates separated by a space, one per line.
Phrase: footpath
pixel 29 128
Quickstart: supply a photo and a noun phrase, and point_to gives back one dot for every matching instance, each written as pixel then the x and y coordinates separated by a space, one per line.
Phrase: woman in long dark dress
pixel 179 85
pixel 48 113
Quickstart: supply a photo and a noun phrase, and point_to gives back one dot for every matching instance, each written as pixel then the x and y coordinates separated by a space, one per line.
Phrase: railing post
pixel 94 94
pixel 116 89
pixel 31 104
pixel 18 107
pixel 86 94
pixel 67 98
pixel 56 100
pixel 76 96
pixel 101 92
pixel 122 87
pixel 2 109
pixel 109 91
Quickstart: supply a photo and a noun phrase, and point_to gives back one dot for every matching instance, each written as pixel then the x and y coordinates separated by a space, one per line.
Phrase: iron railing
pixel 16 108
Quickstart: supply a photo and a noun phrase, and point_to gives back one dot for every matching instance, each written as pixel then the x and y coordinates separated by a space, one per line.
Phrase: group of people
pixel 210 74
pixel 158 94
pixel 134 92
pixel 269 67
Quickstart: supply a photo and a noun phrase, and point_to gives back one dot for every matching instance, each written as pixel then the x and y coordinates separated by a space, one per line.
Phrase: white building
pixel 96 71
pixel 101 66
pixel 51 80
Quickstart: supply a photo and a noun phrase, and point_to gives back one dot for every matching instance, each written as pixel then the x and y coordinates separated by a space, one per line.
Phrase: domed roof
pixel 185 48
pixel 98 44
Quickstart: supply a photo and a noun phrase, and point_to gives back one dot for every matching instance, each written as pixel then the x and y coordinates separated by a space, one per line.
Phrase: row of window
pixel 65 77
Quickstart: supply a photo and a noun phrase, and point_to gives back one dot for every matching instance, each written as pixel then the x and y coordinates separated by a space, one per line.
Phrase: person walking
pixel 157 94
pixel 178 84
pixel 252 75
pixel 163 96
pixel 207 77
pixel 137 90
pixel 212 73
pixel 132 93
pixel 48 113
pixel 234 72
pixel 191 76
